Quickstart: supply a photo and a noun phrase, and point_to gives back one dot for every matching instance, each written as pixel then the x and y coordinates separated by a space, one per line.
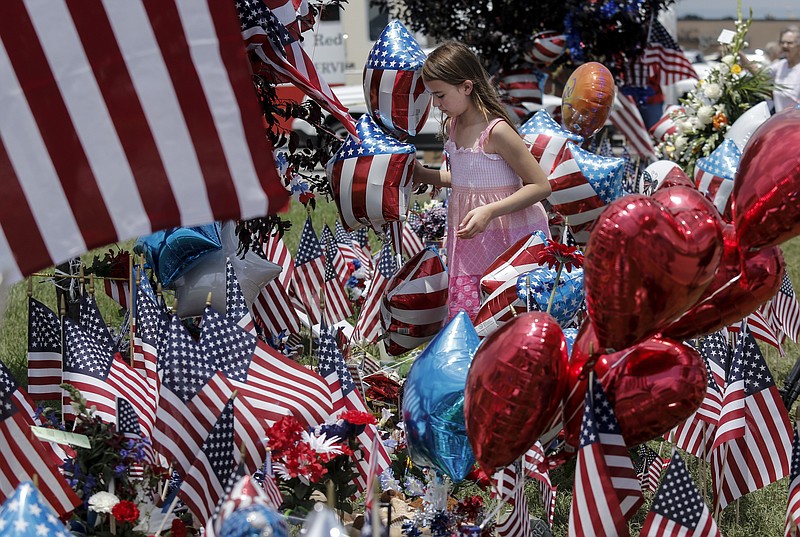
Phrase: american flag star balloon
pixel 583 184
pixel 393 87
pixel 713 175
pixel 26 513
pixel 524 85
pixel 547 47
pixel 547 140
pixel 536 286
pixel 414 305
pixel 371 179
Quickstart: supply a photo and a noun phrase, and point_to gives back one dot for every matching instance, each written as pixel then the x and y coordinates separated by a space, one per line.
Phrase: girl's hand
pixel 475 222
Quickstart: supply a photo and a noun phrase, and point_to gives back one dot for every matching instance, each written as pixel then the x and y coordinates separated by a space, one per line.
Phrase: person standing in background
pixel 785 71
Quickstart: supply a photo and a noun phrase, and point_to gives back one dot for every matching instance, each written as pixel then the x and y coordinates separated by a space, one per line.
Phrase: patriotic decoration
pixel 309 272
pixel 536 287
pixel 272 309
pixel 93 323
pixel 361 241
pixel 213 469
pixel 26 512
pixel 150 111
pixel 793 504
pixel 118 290
pixel 285 58
pixel 547 139
pixel 664 53
pixel 393 87
pixel 583 184
pixel 524 85
pixel 606 487
pixel 762 326
pixel 102 376
pixel 149 335
pixel 626 117
pixel 713 175
pixel 235 306
pixel 337 305
pixel 533 457
pixel 678 508
pixel 349 251
pixel 415 303
pixel 785 309
pixel 412 243
pixel 368 323
pixel 243 492
pixel 510 484
pixel 23 454
pixel 370 177
pixel 548 46
pixel 757 437
pixel 649 468
pixel 666 125
pixel 44 352
pixel 128 426
pixel 345 397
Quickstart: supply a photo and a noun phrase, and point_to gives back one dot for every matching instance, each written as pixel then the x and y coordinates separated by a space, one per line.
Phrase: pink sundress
pixel 479 178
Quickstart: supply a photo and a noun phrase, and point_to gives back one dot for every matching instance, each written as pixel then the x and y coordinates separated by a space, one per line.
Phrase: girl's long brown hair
pixel 454 63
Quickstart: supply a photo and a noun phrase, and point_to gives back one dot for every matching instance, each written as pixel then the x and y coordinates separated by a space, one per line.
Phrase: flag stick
pixel 134 283
pixel 62 311
pixel 166 516
pixel 166 483
pixel 718 489
pixel 376 506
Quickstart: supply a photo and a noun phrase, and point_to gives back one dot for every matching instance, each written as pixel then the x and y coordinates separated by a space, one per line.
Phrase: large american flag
pixel 393 87
pixel 664 53
pixel 309 272
pixel 583 184
pixel 414 306
pixel 510 484
pixel 337 305
pixel 547 140
pixel 131 117
pixel 334 370
pixel 606 489
pixel 44 352
pixel 370 177
pixel 759 451
pixel 102 376
pixel 284 55
pixel 369 320
pixel 713 175
pixel 793 503
pixel 678 510
pixel 191 395
pixel 23 454
pixel 785 309
pixel 213 468
pixel 273 309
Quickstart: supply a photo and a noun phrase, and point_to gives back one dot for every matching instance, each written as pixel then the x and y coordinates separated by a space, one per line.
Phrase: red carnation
pixel 125 511
pixel 354 417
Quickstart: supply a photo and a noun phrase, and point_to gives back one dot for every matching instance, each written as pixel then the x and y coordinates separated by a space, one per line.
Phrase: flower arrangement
pixel 719 99
pixel 429 221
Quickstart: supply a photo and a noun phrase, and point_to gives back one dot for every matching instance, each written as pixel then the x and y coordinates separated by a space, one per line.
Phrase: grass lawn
pixel 760 513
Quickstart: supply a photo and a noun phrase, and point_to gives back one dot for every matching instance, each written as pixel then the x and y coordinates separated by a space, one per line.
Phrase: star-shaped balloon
pixel 254 521
pixel 171 252
pixel 26 513
pixel 433 400
pixel 536 286
pixel 713 175
pixel 546 139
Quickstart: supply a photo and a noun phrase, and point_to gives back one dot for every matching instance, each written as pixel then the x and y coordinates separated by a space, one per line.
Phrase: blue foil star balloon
pixel 433 402
pixel 25 513
pixel 570 334
pixel 173 251
pixel 543 123
pixel 254 521
pixel 537 285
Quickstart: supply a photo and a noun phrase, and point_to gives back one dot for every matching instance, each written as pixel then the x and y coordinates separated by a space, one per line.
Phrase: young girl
pixel 497 185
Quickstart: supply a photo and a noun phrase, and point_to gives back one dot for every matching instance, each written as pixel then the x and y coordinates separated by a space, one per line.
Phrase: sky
pixel 778 9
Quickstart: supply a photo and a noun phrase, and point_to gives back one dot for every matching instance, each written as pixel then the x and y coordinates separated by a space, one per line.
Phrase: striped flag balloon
pixel 415 303
pixel 713 175
pixel 393 87
pixel 548 46
pixel 547 140
pixel 524 85
pixel 371 179
pixel 666 125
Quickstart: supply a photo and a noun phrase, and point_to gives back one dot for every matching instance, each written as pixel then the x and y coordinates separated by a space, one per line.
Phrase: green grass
pixel 760 513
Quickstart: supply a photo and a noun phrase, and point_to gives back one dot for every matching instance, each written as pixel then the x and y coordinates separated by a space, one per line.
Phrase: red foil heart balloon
pixel 766 192
pixel 653 386
pixel 739 287
pixel 514 386
pixel 648 260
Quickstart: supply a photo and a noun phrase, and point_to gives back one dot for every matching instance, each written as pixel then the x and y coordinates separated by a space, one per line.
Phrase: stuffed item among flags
pixel 713 175
pixel 371 179
pixel 393 87
pixel 415 303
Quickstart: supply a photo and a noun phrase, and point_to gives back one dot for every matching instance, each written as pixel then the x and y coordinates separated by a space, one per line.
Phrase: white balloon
pixel 658 172
pixel 208 276
pixel 744 127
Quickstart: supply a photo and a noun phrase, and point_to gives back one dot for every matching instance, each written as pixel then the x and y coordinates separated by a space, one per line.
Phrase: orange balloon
pixel 587 99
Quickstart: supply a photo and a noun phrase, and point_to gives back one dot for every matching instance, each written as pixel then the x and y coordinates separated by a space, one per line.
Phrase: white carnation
pixel 680 142
pixel 705 114
pixel 713 91
pixel 102 502
pixel 728 60
pixel 723 69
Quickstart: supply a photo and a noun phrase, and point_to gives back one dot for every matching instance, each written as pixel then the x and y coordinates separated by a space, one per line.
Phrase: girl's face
pixel 451 100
